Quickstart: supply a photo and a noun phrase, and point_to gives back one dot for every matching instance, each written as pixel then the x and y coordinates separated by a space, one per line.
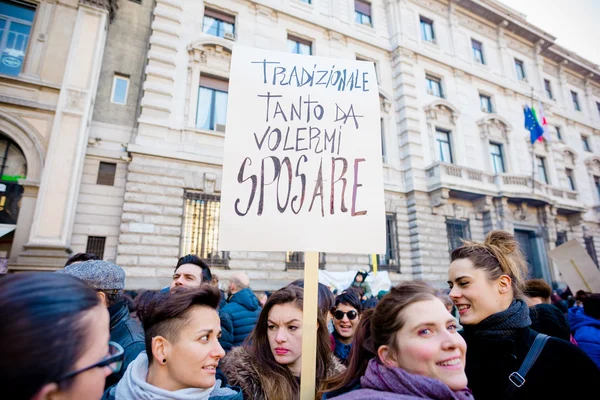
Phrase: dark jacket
pixel 127 332
pixel 549 320
pixel 491 360
pixel 586 331
pixel 241 370
pixel 226 339
pixel 243 309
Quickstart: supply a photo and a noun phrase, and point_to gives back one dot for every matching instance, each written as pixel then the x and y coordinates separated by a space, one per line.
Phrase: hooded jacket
pixel 241 370
pixel 133 386
pixel 243 309
pixel 586 331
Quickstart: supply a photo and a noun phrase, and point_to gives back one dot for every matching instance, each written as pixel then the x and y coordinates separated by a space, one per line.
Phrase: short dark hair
pixel 326 297
pixel 537 288
pixel 112 296
pixel 350 298
pixel 591 305
pixel 167 312
pixel 80 257
pixel 42 322
pixel 194 259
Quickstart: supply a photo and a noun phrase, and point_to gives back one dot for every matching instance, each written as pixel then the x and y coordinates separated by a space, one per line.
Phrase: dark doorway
pixel 528 242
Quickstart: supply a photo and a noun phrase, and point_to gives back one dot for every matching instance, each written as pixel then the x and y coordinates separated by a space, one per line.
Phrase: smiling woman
pixel 407 347
pixel 268 365
pixel 182 330
pixel 486 281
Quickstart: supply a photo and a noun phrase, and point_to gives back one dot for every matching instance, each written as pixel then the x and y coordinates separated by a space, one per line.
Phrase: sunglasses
pixel 339 315
pixel 113 360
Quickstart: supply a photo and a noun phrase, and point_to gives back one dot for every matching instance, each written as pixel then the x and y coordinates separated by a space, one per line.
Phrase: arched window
pixel 13 167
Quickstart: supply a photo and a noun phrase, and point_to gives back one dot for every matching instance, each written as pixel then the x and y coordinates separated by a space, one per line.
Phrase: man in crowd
pixel 109 281
pixel 191 271
pixel 242 307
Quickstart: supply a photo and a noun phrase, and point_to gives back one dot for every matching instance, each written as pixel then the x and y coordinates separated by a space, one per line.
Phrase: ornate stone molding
pixel 210 182
pixel 569 156
pixel 441 107
pixel 75 101
pixel 108 5
pixel 434 6
pixel 477 26
pixel 519 46
pixel 494 125
pixel 551 70
pixel 575 81
pixel 593 164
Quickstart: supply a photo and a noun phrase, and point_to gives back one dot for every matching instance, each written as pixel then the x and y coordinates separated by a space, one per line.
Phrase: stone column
pixel 504 57
pixel 503 215
pixel 564 89
pixel 25 220
pixel 52 224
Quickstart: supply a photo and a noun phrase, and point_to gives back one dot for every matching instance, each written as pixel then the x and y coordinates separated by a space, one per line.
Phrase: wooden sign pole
pixel 309 326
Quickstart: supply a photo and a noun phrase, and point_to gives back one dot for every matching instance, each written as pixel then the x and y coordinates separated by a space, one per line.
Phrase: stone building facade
pixel 453 78
pixel 50 58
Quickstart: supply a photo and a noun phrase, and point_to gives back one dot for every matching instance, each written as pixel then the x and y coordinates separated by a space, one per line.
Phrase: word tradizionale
pixel 340 79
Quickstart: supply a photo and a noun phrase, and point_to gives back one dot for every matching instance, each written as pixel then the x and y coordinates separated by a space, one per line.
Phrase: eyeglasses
pixel 339 315
pixel 113 360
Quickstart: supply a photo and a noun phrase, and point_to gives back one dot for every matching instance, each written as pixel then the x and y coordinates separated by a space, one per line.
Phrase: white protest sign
pixel 302 166
pixel 576 267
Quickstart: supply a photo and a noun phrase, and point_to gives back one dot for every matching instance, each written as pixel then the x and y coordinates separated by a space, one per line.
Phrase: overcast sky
pixel 574 23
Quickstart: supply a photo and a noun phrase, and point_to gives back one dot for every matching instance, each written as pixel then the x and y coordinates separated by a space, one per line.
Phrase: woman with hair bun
pixel 486 282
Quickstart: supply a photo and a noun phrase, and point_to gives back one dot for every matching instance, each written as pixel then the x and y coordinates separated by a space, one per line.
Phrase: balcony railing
pixel 466 179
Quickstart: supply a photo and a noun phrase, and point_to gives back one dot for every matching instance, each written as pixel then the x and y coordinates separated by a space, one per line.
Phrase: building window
pixel 427 31
pixel 541 165
pixel 375 66
pixel 457 230
pixel 575 98
pixel 295 260
pixel 299 46
pixel 444 145
pixel 434 86
pixel 486 103
pixel 95 245
pixel 218 24
pixel 306 1
pixel 390 260
pixel 520 70
pixel 16 19
pixel 591 249
pixel 201 228
pixel 106 174
pixel 597 184
pixel 497 158
pixel 212 104
pixel 558 133
pixel 120 89
pixel 362 12
pixel 477 51
pixel 585 141
pixel 548 89
pixel 570 178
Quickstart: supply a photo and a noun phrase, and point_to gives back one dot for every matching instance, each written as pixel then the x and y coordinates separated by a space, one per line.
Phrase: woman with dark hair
pixel 346 316
pixel 182 330
pixel 55 332
pixel 268 365
pixel 407 347
pixel 486 281
pixel 326 302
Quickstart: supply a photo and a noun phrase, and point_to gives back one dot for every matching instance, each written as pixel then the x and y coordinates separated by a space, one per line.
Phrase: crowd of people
pixel 494 334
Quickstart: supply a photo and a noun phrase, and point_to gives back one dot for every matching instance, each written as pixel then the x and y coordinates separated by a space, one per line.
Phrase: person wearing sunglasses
pixel 56 335
pixel 182 330
pixel 346 316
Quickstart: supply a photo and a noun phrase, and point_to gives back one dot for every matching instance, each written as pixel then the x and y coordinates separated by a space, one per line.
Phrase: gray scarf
pixel 503 323
pixel 133 385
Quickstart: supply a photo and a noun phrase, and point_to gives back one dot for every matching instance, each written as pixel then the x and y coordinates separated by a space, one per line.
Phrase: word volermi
pixel 340 79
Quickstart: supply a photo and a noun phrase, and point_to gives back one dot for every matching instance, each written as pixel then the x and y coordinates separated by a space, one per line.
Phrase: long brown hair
pixel 276 380
pixel 499 255
pixel 378 327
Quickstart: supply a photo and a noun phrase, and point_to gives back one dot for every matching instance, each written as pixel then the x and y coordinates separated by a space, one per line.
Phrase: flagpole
pixel 532 154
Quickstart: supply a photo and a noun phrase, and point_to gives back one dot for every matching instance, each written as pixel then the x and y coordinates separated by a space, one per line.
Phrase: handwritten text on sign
pixel 302 166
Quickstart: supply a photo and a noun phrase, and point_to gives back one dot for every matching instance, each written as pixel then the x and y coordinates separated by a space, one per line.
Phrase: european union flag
pixel 532 125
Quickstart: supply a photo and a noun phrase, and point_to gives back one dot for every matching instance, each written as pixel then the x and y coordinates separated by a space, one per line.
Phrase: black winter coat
pixel 127 332
pixel 562 370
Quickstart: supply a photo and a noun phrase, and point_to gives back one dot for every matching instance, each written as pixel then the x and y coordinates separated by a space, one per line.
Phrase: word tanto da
pixel 340 79
pixel 282 183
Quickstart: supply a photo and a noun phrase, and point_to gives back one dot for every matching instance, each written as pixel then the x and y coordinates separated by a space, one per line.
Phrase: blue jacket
pixel 243 309
pixel 127 332
pixel 586 331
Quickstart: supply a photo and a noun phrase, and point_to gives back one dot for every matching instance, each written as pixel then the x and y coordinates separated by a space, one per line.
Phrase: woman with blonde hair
pixel 486 282
pixel 268 365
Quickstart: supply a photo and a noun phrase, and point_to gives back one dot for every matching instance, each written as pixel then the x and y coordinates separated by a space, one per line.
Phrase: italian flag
pixel 542 122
